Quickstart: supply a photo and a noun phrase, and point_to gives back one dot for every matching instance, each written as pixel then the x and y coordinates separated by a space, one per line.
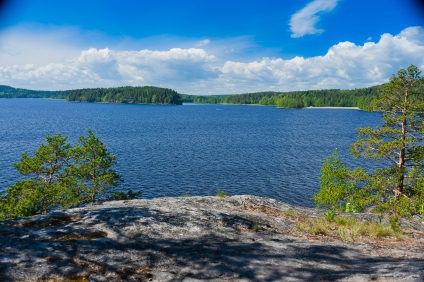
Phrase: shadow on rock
pixel 164 242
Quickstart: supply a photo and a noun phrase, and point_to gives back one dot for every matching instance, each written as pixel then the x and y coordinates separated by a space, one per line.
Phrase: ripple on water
pixel 183 150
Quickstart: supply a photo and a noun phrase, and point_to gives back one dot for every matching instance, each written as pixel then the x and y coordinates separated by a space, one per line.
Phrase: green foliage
pixel 10 92
pixel 94 164
pixel 335 184
pixel 49 181
pixel 256 227
pixel 348 228
pixel 127 95
pixel 59 175
pixel 221 194
pixel 119 195
pixel 330 215
pixel 394 223
pixel 361 98
pixel 289 213
pixel 212 99
pixel 397 186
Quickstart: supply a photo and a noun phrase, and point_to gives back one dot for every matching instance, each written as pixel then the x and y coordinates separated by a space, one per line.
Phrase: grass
pixel 345 228
pixel 289 213
pixel 256 227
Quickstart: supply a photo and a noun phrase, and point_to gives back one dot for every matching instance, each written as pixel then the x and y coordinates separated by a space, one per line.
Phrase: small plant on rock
pixel 256 227
pixel 119 196
pixel 221 194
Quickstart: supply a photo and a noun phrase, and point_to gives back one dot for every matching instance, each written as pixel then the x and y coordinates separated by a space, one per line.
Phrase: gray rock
pixel 239 238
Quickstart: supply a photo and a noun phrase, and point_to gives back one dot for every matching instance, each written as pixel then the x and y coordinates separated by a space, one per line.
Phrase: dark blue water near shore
pixel 192 149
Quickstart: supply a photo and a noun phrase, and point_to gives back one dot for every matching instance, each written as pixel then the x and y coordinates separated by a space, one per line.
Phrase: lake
pixel 192 149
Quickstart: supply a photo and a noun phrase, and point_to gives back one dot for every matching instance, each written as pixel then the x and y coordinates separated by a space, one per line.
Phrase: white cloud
pixel 345 65
pixel 304 21
pixel 210 71
pixel 105 67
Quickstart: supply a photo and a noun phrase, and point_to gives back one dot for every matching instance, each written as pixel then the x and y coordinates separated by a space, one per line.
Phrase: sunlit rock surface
pixel 239 238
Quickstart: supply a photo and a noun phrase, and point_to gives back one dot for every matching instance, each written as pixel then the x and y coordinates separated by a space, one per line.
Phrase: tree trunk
pixel 93 193
pixel 401 162
pixel 401 165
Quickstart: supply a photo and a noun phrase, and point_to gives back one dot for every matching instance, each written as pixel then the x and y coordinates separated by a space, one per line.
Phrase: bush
pixel 130 195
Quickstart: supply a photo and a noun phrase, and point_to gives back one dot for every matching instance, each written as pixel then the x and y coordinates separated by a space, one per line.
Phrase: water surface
pixel 192 149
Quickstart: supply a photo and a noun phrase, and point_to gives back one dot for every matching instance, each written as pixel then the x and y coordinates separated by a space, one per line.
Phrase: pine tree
pixel 397 186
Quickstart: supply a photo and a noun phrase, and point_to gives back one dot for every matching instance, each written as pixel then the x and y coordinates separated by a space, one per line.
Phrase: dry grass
pixel 347 229
pixel 319 227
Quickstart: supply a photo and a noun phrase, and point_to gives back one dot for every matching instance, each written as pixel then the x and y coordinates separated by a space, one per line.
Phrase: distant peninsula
pixel 11 92
pixel 360 98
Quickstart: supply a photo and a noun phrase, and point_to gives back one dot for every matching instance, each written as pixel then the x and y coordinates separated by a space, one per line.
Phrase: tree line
pixel 10 92
pixel 126 95
pixel 361 98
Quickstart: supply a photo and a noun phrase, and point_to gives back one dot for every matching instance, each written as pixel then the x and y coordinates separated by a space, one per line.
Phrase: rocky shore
pixel 239 238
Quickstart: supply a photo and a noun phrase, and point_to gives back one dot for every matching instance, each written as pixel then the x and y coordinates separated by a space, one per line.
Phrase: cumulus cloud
pixel 346 65
pixel 105 67
pixel 194 70
pixel 304 21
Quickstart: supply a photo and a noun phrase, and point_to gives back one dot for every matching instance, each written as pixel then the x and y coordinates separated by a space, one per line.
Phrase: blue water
pixel 192 149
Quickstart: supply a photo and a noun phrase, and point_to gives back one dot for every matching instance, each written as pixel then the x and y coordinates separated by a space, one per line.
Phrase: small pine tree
pixel 59 175
pixel 94 166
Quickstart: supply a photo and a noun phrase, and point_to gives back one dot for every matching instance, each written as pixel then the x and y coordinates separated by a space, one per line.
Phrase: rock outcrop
pixel 239 238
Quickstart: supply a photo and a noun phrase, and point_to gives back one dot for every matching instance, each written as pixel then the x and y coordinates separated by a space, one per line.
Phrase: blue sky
pixel 208 47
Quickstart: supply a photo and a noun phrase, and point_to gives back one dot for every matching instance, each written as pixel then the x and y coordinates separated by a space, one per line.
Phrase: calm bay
pixel 192 149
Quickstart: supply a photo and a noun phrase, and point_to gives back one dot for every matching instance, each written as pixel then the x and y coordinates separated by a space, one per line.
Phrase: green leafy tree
pixel 397 186
pixel 94 166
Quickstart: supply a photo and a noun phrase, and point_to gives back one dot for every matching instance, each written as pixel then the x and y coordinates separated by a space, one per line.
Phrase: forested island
pixel 127 95
pixel 361 98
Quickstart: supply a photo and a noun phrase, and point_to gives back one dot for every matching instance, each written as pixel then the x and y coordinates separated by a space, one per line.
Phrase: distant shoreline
pixel 334 108
pixel 330 108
